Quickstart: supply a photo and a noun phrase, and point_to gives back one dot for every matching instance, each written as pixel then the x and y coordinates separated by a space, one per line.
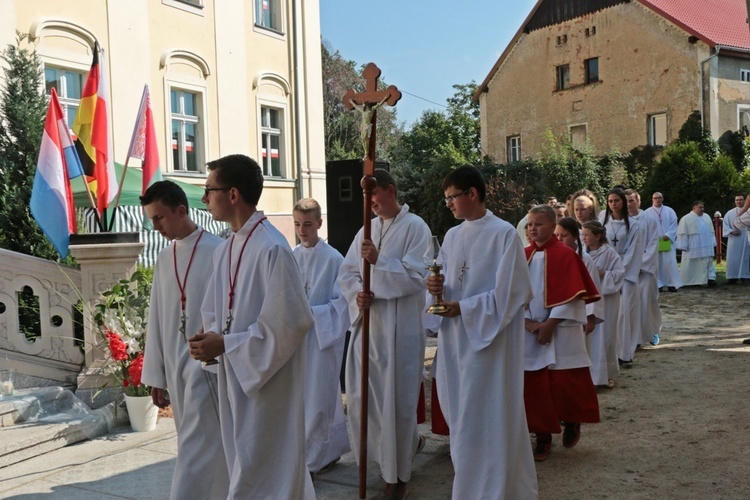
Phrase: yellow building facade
pixel 613 75
pixel 228 76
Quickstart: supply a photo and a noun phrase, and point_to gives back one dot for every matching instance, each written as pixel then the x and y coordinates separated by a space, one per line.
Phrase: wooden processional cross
pixel 367 103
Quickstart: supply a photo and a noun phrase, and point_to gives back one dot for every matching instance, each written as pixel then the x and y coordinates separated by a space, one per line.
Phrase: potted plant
pixel 121 316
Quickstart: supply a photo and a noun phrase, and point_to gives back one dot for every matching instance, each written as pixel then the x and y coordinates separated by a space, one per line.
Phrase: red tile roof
pixel 716 22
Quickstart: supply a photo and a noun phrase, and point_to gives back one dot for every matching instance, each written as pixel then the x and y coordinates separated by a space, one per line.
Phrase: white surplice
pixel 595 345
pixel 648 279
pixel 480 361
pixel 397 340
pixel 669 273
pixel 200 470
pixel 607 260
pixel 629 246
pixel 695 237
pixel 738 248
pixel 262 371
pixel 567 348
pixel 325 422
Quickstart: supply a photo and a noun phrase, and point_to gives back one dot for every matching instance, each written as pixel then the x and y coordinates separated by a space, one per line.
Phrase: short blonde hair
pixel 308 206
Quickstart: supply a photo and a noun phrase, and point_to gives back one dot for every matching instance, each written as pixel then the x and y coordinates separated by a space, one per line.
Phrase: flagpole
pixel 93 203
pixel 119 192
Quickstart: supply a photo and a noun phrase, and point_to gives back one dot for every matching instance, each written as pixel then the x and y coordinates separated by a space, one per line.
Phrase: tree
pixel 686 173
pixel 436 144
pixel 342 125
pixel 440 137
pixel 565 169
pixel 22 114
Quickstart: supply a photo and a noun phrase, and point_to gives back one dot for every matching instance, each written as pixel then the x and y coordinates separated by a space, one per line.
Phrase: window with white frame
pixel 69 85
pixel 513 144
pixel 657 129
pixel 268 14
pixel 192 6
pixel 745 75
pixel 186 130
pixel 272 140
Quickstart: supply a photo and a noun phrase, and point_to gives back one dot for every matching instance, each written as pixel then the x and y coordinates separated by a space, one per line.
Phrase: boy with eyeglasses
pixel 256 318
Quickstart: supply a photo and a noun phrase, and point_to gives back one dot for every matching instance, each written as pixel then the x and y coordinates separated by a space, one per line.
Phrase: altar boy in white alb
pixel 397 340
pixel 256 318
pixel 325 422
pixel 485 283
pixel 182 270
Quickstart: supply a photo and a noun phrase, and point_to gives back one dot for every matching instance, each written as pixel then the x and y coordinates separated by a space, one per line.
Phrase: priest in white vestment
pixel 696 239
pixel 485 282
pixel 397 338
pixel 666 218
pixel 182 270
pixel 319 263
pixel 256 318
pixel 738 247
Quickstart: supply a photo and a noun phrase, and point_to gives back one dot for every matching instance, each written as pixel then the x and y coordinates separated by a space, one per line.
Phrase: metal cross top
pixel 367 103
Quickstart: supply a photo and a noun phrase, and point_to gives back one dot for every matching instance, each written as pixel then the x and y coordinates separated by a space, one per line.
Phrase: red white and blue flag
pixel 51 196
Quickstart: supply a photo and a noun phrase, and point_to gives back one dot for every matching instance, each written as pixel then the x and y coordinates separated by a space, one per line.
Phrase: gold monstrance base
pixel 437 307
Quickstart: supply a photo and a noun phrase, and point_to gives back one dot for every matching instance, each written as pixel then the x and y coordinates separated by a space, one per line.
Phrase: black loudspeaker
pixel 345 201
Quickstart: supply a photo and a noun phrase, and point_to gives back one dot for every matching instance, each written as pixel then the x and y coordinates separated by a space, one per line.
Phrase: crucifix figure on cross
pixel 367 103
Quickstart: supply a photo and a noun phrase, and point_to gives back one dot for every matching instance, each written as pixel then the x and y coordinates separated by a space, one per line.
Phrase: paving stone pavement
pixel 139 465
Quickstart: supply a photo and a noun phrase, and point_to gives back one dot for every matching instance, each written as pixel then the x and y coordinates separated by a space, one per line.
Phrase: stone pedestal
pixel 102 265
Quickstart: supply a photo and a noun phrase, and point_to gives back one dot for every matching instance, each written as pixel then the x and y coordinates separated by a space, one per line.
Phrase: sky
pixel 423 47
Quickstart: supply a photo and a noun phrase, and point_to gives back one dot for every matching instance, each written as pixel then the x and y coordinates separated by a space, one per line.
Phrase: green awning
pixel 131 189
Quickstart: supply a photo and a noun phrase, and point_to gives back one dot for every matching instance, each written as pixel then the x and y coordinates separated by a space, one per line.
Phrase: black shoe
pixel 571 435
pixel 626 364
pixel 746 341
pixel 672 289
pixel 731 281
pixel 543 447
pixel 661 289
pixel 711 283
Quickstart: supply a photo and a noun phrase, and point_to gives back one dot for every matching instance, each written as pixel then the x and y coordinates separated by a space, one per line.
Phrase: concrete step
pixel 37 421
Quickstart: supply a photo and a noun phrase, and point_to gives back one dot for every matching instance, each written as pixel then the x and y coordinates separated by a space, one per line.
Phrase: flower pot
pixel 142 413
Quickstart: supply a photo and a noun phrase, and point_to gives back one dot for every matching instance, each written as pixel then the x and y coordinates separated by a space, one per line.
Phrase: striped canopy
pixel 131 189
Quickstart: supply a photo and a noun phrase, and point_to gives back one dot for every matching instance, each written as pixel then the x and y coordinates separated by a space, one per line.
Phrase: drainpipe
pixel 296 96
pixel 703 81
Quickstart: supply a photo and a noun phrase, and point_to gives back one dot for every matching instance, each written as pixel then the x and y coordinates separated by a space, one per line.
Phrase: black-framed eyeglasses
pixel 207 190
pixel 452 198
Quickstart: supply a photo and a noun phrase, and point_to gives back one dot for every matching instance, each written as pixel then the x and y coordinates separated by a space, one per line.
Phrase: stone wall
pixel 646 65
